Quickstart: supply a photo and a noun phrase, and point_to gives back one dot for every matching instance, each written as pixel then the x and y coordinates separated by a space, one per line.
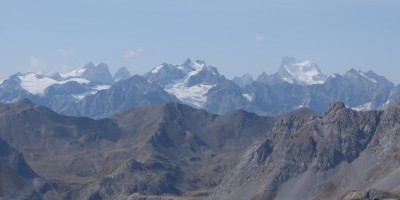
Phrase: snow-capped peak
pixel 165 73
pixel 91 78
pixel 300 72
pixel 189 81
pixel 98 73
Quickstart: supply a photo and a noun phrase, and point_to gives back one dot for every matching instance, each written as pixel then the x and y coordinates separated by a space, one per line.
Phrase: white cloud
pixel 133 53
pixel 38 65
pixel 259 37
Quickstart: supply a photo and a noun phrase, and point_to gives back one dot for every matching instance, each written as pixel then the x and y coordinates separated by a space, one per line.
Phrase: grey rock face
pixel 244 80
pixel 98 73
pixel 124 95
pixel 14 160
pixel 134 177
pixel 165 74
pixel 315 152
pixel 122 74
pixel 18 180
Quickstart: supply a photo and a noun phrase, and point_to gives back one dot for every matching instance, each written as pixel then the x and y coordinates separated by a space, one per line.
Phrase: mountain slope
pixel 176 151
pixel 89 157
pixel 122 74
pixel 323 157
pixel 18 180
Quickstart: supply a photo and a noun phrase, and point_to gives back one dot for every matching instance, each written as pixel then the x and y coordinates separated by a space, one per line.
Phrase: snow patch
pixel 79 97
pixel 248 97
pixel 73 73
pixel 96 89
pixel 194 95
pixel 101 87
pixel 35 84
pixel 369 78
pixel 156 69
pixel 303 74
pixel 78 80
pixel 363 107
pixel 197 68
pixel 303 63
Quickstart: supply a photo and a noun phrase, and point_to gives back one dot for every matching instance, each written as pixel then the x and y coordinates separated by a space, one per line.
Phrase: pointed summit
pixel 246 79
pixel 300 72
pixel 334 108
pixel 122 74
pixel 187 62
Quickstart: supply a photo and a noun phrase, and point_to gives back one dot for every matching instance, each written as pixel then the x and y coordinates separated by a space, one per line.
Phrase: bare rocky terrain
pixel 173 151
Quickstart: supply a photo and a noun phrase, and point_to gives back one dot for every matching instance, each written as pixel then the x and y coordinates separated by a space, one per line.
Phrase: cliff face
pixel 339 154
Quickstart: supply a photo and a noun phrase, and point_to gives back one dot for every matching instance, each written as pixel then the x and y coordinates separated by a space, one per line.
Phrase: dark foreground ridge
pixel 174 151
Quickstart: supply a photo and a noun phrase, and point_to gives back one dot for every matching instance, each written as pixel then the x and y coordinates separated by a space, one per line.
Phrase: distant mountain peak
pixel 246 79
pixel 122 74
pixel 302 72
pixel 334 108
pixel 370 76
pixel 187 62
pixel 189 81
pixel 97 73
pixel 89 65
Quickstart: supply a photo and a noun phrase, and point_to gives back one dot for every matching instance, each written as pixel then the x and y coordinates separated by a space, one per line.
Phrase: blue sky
pixel 235 36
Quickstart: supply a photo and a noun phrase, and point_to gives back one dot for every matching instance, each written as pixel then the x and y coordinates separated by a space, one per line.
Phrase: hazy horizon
pixel 237 38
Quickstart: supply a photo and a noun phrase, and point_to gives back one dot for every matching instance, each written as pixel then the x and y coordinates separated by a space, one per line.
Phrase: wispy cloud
pixel 133 53
pixel 259 37
pixel 38 65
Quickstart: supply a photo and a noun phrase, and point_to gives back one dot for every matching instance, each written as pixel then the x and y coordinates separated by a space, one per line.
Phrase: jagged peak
pixel 121 74
pixel 288 59
pixel 247 76
pixel 101 64
pixel 187 61
pixel 353 71
pixel 202 62
pixel 303 72
pixel 88 65
pixel 335 106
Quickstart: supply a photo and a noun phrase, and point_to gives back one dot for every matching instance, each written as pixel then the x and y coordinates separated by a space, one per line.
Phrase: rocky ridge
pixel 298 83
pixel 175 151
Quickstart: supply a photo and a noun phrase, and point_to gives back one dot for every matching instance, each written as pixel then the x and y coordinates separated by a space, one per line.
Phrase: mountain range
pixel 173 151
pixel 92 91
